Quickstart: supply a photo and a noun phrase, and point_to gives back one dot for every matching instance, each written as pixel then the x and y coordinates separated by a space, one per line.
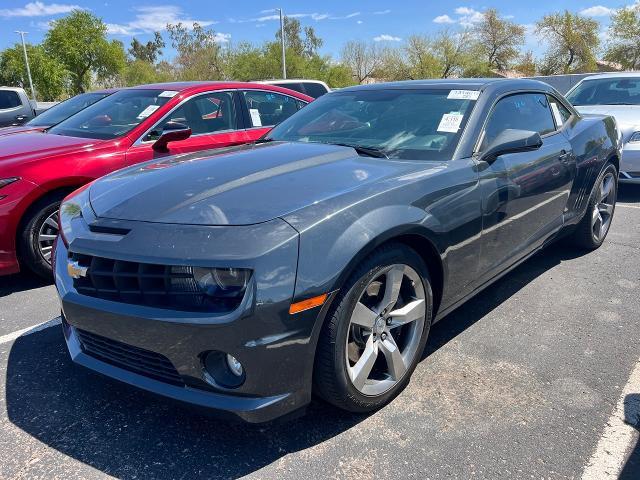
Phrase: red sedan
pixel 38 169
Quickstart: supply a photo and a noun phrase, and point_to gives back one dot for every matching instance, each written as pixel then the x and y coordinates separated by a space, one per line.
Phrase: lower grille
pixel 127 357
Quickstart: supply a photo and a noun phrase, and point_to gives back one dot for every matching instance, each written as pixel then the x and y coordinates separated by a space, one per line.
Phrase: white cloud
pixel 468 16
pixel 597 11
pixel 151 19
pixel 382 12
pixel 313 16
pixel 220 37
pixel 443 19
pixel 38 9
pixel 385 37
pixel 359 22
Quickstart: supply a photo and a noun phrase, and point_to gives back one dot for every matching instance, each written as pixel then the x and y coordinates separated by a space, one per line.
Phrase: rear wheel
pixel 39 231
pixel 376 333
pixel 595 225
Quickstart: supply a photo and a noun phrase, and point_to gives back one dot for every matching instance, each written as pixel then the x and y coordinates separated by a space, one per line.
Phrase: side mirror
pixel 172 132
pixel 511 141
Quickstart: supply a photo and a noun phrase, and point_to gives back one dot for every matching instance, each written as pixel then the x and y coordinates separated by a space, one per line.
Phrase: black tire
pixel 331 380
pixel 583 236
pixel 28 245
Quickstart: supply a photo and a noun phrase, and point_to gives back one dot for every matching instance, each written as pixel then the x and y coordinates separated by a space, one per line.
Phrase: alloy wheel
pixel 602 212
pixel 385 330
pixel 47 235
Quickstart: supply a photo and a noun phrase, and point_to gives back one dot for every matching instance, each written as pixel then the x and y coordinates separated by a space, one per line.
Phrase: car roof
pixel 289 80
pixel 455 83
pixel 613 75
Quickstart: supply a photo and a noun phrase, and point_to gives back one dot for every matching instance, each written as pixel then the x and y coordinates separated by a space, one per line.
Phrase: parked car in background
pixel 16 108
pixel 244 279
pixel 313 88
pixel 59 112
pixel 37 169
pixel 618 95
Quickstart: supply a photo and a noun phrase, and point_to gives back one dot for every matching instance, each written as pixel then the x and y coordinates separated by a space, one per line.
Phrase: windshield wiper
pixel 364 150
pixel 263 140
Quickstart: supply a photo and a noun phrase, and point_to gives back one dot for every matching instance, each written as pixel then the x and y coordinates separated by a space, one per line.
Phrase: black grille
pixel 160 286
pixel 127 357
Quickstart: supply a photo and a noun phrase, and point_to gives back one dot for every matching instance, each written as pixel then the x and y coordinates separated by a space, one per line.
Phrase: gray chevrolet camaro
pixel 317 259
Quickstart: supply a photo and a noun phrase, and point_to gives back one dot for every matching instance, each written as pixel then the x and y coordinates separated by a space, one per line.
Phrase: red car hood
pixel 21 129
pixel 23 147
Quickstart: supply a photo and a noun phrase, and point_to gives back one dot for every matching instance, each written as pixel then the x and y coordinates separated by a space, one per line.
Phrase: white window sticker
pixel 168 93
pixel 148 111
pixel 255 117
pixel 556 113
pixel 463 95
pixel 450 122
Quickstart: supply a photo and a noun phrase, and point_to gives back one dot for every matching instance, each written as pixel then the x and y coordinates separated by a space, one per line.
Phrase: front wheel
pixel 594 226
pixel 376 333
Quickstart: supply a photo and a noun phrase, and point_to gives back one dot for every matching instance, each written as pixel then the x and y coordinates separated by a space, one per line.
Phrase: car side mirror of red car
pixel 172 132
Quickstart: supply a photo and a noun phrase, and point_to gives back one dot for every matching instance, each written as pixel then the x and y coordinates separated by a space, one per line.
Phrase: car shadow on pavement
pixel 629 193
pixel 128 433
pixel 21 282
pixel 631 469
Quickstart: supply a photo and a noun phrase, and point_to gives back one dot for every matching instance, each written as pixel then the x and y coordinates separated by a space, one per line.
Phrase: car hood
pixel 27 146
pixel 239 186
pixel 624 114
pixel 21 129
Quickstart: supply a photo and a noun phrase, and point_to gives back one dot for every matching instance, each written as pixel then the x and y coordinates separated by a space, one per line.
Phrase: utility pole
pixel 284 56
pixel 26 62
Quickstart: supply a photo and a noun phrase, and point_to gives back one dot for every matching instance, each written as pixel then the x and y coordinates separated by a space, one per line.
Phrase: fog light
pixel 234 365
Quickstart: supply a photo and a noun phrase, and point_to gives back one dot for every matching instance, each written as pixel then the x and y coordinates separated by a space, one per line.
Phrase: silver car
pixel 618 95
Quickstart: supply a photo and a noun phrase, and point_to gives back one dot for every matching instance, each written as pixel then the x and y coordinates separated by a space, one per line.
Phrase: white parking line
pixel 626 205
pixel 10 337
pixel 608 459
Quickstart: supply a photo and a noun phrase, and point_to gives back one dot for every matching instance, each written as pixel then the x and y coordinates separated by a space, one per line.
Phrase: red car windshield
pixel 114 116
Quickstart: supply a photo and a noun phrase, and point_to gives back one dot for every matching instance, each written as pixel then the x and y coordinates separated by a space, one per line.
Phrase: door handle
pixel 565 157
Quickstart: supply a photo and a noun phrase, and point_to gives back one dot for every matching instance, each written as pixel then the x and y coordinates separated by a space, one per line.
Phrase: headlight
pixel 635 137
pixel 6 181
pixel 222 282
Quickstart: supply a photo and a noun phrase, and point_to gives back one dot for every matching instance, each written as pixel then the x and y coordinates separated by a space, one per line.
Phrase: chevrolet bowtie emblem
pixel 75 270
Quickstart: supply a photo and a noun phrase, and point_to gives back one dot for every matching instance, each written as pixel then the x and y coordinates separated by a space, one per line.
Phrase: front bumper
pixel 276 349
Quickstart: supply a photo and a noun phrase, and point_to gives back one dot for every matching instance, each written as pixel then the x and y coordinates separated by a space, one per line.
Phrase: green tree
pixel 49 76
pixel 306 44
pixel 148 52
pixel 199 54
pixel 362 58
pixel 573 42
pixel 421 60
pixel 79 42
pixel 624 37
pixel 498 40
pixel 452 52
pixel 527 64
pixel 140 72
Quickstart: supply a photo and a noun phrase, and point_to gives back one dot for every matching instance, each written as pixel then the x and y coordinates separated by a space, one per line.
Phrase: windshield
pixel 114 116
pixel 64 110
pixel 606 91
pixel 402 123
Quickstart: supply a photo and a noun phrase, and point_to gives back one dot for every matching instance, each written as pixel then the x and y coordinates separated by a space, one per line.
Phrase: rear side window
pixel 524 111
pixel 269 108
pixel 314 90
pixel 291 86
pixel 560 113
pixel 9 99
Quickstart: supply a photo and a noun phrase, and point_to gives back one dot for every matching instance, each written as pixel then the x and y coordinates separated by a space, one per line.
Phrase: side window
pixel 523 111
pixel 314 90
pixel 560 113
pixel 204 114
pixel 269 108
pixel 291 86
pixel 9 99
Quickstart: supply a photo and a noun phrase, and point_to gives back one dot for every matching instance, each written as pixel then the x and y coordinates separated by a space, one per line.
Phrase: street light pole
pixel 284 56
pixel 26 62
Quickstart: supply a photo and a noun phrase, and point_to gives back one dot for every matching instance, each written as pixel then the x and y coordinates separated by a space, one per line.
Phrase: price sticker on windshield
pixel 148 111
pixel 463 94
pixel 168 94
pixel 450 122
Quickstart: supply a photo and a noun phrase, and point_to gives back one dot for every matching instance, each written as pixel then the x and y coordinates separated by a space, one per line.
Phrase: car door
pixel 263 109
pixel 524 194
pixel 214 119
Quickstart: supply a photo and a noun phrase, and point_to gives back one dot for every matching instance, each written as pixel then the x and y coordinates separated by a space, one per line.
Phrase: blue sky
pixel 335 21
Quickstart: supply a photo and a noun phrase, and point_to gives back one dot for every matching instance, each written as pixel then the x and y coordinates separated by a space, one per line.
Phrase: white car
pixel 618 95
pixel 313 88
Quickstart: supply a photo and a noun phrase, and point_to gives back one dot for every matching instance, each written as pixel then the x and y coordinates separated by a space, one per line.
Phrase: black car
pixel 317 259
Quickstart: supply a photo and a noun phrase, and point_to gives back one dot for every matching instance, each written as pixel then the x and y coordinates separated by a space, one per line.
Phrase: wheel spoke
pixel 392 287
pixel 363 316
pixel 361 370
pixel 411 312
pixel 605 208
pixel 52 223
pixel 605 188
pixel 43 237
pixel 395 362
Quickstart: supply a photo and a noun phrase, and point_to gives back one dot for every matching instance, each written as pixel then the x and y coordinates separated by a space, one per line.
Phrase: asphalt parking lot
pixel 524 381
